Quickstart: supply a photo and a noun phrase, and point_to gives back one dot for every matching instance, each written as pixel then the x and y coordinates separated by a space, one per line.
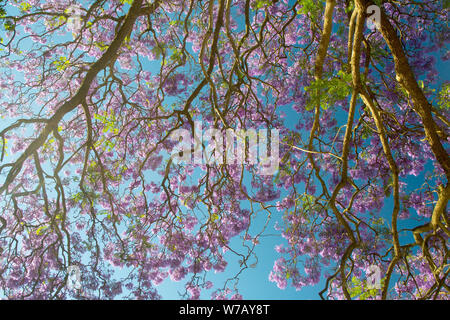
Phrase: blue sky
pixel 254 283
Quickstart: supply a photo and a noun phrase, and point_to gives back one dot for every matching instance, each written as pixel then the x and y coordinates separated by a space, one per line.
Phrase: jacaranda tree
pixel 93 93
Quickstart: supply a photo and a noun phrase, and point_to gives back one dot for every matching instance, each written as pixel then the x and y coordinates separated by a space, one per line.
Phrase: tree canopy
pixel 92 93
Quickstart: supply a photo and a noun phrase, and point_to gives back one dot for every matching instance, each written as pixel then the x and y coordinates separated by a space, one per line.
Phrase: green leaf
pixel 101 45
pixel 158 50
pixel 326 92
pixel 355 288
pixel 61 64
pixel 310 7
pixel 25 6
pixel 262 3
pixel 421 84
pixel 444 97
pixel 40 229
pixel 9 25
